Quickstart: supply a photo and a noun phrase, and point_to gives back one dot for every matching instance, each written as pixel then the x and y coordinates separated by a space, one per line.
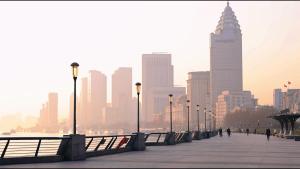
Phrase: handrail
pixel 33 138
pixel 99 145
pixel 110 136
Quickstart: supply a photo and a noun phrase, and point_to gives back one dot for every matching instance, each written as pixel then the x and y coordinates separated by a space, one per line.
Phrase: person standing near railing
pixel 268 133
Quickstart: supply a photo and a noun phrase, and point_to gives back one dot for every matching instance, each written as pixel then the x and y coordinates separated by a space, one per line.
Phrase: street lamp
pixel 170 101
pixel 138 90
pixel 198 108
pixel 205 118
pixel 210 120
pixel 75 75
pixel 188 111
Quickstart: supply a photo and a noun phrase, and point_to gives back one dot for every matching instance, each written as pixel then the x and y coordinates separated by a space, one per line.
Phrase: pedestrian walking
pixel 247 131
pixel 268 133
pixel 220 132
pixel 228 132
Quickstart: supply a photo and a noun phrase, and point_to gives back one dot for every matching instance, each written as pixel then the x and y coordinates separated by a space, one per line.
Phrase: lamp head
pixel 170 98
pixel 75 69
pixel 138 87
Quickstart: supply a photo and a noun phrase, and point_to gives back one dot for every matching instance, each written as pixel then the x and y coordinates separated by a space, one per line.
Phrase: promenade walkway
pixel 239 150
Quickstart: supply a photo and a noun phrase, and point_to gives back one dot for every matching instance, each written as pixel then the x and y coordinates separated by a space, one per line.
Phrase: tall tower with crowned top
pixel 226 69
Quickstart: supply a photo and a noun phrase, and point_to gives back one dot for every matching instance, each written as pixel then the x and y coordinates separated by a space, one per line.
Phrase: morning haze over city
pixel 226 57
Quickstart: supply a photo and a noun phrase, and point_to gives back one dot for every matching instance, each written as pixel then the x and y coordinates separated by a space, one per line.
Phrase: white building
pixel 288 99
pixel 157 72
pixel 292 100
pixel 198 88
pixel 229 102
pixel 226 71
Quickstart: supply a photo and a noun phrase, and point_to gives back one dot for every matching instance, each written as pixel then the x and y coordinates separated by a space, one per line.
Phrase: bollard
pixel 139 142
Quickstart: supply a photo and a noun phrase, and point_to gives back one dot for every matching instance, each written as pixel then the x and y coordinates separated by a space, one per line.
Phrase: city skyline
pixel 57 77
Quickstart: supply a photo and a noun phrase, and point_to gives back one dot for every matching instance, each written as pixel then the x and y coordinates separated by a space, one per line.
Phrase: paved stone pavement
pixel 239 150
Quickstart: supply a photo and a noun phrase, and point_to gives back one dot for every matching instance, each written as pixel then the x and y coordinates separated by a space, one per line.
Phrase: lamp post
pixel 205 118
pixel 198 108
pixel 188 111
pixel 138 90
pixel 210 120
pixel 75 74
pixel 171 101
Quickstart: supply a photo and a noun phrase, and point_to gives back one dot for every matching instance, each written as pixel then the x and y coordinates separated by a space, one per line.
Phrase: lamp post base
pixel 139 142
pixel 170 138
pixel 197 135
pixel 205 134
pixel 73 149
pixel 188 136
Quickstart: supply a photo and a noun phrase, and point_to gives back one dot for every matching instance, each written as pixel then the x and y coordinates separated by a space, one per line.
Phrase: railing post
pixel 38 148
pixel 5 148
pixel 87 146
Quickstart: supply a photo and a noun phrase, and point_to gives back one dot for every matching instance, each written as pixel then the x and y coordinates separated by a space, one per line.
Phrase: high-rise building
pixel 122 95
pixel 277 99
pixel 291 100
pixel 97 98
pixel 83 106
pixel 226 71
pixel 198 88
pixel 71 112
pixel 53 109
pixel 157 72
pixel 48 120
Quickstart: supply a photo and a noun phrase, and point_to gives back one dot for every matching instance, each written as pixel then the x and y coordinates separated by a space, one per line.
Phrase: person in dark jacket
pixel 247 131
pixel 228 132
pixel 220 132
pixel 268 133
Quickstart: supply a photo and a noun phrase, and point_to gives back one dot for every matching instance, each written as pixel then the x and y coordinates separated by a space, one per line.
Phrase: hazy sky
pixel 39 41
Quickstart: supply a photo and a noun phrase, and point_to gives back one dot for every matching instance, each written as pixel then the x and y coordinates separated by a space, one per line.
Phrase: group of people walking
pixel 221 132
pixel 268 132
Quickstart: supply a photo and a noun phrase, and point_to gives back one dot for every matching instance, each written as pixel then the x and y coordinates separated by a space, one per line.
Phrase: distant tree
pixel 249 118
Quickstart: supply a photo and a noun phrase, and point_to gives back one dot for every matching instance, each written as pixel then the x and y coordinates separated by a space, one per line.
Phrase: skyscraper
pixel 277 99
pixel 226 56
pixel 122 95
pixel 157 71
pixel 53 109
pixel 48 120
pixel 83 112
pixel 97 97
pixel 198 93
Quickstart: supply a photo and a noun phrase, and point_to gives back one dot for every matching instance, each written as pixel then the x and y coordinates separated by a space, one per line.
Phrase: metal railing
pixel 179 137
pixel 101 145
pixel 155 139
pixel 20 149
